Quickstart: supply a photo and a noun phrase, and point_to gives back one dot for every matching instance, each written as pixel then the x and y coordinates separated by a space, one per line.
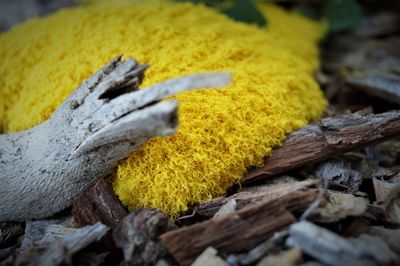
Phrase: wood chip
pixel 99 203
pixel 227 208
pixel 35 231
pixel 389 236
pixel 290 257
pixel 385 86
pixel 339 172
pixel 257 253
pixel 138 236
pixel 392 207
pixel 254 194
pixel 237 231
pixel 62 250
pixel 9 232
pixel 383 188
pixel 327 138
pixel 332 249
pixel 341 205
pixel 209 257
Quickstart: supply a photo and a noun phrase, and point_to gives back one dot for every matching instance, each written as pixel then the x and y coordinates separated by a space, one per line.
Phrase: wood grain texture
pixel 99 203
pixel 43 169
pixel 248 196
pixel 326 138
pixel 237 231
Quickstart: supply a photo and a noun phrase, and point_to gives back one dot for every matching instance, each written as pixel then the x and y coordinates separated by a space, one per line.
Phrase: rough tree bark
pixel 239 230
pixel 44 168
pixel 329 137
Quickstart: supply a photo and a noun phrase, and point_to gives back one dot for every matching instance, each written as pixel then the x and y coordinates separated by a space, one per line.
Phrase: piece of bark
pixel 272 244
pixel 5 253
pixel 99 203
pixel 341 205
pixel 291 257
pixel 43 169
pixel 385 85
pixel 35 231
pixel 163 262
pixel 59 251
pixel 365 56
pixel 339 173
pixel 370 168
pixel 357 227
pixel 378 25
pixel 375 247
pixel 392 207
pixel 389 153
pixel 227 208
pixel 237 231
pixel 371 67
pixel 390 236
pixel 209 257
pixel 326 138
pixel 332 249
pixel 383 188
pixel 252 195
pixel 138 236
pixel 9 232
pixel 375 213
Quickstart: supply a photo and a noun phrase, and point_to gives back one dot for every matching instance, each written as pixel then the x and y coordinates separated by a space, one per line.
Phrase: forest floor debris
pixel 329 196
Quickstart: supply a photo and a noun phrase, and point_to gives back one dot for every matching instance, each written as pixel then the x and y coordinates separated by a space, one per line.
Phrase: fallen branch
pixel 327 138
pixel 236 231
pixel 44 168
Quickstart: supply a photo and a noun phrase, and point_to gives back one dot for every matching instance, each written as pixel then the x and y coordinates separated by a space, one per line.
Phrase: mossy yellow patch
pixel 221 132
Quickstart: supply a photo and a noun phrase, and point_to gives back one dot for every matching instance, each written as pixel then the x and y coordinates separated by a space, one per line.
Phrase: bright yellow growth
pixel 221 132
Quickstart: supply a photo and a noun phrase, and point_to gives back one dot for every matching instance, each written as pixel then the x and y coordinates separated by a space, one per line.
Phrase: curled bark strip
pixel 44 168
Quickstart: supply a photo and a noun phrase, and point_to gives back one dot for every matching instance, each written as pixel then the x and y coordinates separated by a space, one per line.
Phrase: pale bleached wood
pixel 59 246
pixel 44 168
pixel 332 249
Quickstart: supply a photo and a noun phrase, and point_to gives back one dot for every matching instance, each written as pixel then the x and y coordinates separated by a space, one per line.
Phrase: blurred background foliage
pixel 340 15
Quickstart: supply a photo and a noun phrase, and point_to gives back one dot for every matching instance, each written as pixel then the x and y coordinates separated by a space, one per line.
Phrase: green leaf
pixel 308 11
pixel 245 11
pixel 342 14
pixel 239 10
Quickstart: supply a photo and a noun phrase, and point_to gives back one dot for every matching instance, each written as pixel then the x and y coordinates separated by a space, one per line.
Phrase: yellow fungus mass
pixel 221 132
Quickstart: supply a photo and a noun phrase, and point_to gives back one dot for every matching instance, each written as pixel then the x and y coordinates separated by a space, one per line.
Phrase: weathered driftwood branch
pixel 326 138
pixel 239 230
pixel 44 168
